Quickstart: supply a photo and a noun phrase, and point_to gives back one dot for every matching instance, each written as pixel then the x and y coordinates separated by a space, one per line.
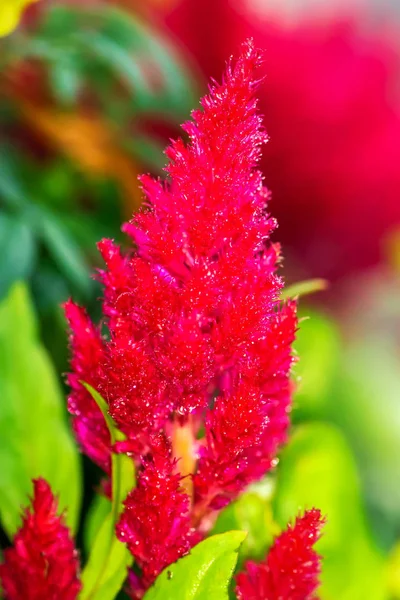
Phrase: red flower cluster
pixel 291 569
pixel 43 564
pixel 198 340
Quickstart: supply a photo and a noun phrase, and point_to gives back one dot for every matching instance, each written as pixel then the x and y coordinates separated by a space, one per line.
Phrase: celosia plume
pixel 43 563
pixel 199 342
pixel 292 567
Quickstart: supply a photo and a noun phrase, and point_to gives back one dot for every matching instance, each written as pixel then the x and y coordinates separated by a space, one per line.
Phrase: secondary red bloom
pixel 197 333
pixel 43 564
pixel 292 567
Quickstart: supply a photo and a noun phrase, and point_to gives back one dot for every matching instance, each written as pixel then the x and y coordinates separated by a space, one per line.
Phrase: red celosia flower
pixel 333 113
pixel 156 524
pixel 43 564
pixel 197 334
pixel 292 567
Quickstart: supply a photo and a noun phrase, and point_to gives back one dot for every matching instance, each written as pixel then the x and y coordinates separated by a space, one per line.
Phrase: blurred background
pixel 90 93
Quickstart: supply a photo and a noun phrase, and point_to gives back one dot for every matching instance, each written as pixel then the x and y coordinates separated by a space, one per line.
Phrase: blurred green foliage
pixel 35 438
pixel 354 384
pixel 317 470
pixel 342 458
pixel 252 512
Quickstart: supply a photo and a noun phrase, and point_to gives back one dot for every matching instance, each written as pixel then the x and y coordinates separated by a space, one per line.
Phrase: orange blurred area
pixel 90 143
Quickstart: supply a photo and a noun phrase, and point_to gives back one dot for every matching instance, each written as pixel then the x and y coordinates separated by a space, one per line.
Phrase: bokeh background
pixel 90 93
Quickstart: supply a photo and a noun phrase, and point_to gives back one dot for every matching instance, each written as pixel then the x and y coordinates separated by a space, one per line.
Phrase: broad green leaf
pixel 317 470
pixel 318 346
pixel 34 435
pixel 204 574
pixel 18 249
pixel 109 559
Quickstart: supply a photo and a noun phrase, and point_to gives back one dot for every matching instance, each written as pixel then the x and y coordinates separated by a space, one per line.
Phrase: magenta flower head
pixel 43 563
pixel 195 367
pixel 291 569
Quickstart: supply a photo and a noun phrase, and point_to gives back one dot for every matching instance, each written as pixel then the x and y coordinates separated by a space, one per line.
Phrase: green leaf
pixel 106 570
pixel 204 574
pixel 108 41
pixel 118 59
pixel 63 249
pixel 57 21
pixel 66 82
pixel 17 246
pixel 152 55
pixel 35 437
pixel 304 288
pixel 109 559
pixel 123 474
pixel 99 510
pixel 317 470
pixel 11 191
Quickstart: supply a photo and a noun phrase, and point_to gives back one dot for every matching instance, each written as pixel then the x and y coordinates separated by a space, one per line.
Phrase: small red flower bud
pixel 43 563
pixel 292 567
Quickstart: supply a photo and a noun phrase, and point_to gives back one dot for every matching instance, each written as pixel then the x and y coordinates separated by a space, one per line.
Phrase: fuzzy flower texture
pixel 195 362
pixel 43 564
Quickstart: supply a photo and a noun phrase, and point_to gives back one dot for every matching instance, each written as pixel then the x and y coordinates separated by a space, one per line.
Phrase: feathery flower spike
pixel 43 563
pixel 292 567
pixel 198 356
